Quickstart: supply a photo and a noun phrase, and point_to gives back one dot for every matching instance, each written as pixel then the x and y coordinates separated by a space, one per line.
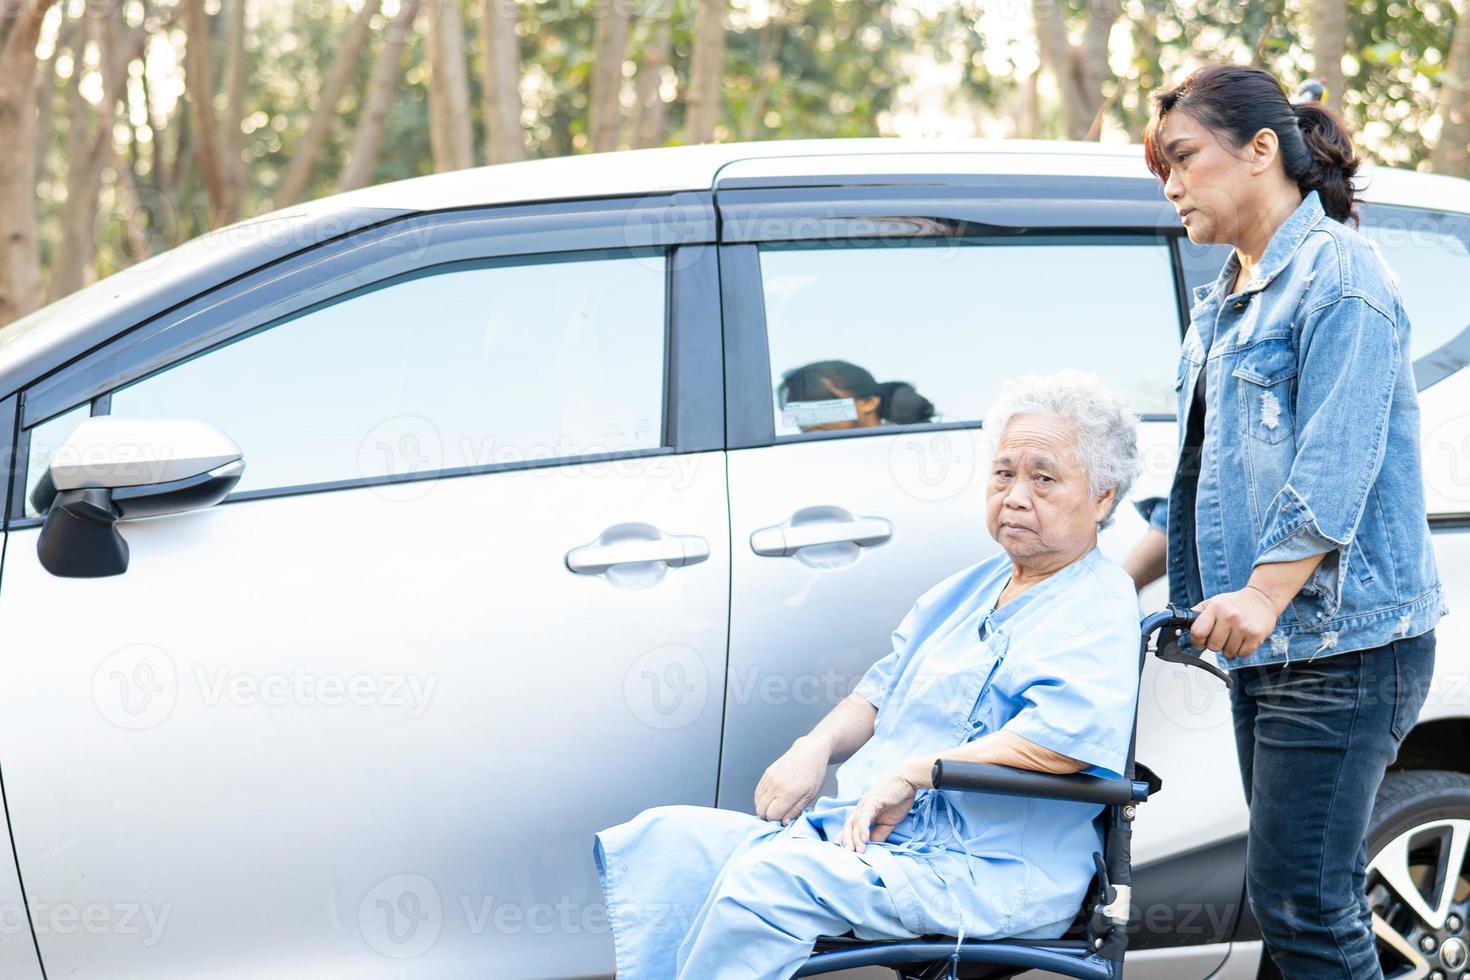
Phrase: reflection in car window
pixel 46 438
pixel 931 327
pixel 827 395
pixel 490 364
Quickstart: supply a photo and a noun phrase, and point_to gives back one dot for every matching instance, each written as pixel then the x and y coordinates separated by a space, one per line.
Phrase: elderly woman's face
pixel 1038 505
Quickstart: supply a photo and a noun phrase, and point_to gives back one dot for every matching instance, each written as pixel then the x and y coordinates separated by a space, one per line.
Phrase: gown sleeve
pixel 1076 690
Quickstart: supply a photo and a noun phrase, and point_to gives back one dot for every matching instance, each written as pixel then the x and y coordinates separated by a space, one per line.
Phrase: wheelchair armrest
pixel 1008 781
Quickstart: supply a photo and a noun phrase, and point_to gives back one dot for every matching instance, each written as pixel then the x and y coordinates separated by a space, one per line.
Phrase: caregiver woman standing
pixel 1296 519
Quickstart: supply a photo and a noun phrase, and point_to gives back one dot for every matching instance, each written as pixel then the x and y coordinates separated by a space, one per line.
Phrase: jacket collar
pixel 1279 251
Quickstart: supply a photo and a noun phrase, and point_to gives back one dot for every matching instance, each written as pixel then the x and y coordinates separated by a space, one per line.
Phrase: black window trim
pixel 680 226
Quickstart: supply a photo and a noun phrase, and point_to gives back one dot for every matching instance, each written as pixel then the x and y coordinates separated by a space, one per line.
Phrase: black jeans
pixel 1314 738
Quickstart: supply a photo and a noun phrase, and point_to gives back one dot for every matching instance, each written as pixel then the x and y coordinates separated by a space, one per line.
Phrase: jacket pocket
pixel 1267 373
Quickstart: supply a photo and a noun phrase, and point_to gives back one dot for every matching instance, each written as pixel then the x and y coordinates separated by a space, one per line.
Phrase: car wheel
pixel 1418 883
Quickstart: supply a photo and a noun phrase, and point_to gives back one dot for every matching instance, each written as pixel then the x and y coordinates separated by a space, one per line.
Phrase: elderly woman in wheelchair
pixel 1028 660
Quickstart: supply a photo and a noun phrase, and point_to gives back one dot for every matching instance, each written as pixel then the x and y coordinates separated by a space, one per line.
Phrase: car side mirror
pixel 116 468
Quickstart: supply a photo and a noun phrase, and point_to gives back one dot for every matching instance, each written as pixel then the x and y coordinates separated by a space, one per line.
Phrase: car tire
pixel 1420 825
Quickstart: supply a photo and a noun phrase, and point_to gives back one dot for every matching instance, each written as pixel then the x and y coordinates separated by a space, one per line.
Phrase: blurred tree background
pixel 128 126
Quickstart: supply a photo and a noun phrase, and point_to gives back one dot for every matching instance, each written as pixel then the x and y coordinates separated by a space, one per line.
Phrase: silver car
pixel 361 560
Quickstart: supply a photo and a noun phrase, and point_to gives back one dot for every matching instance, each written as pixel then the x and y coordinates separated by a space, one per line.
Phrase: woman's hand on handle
pixel 1237 623
pixel 1234 623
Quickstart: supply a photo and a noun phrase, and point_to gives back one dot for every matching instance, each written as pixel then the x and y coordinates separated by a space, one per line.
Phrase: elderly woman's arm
pixel 792 781
pixel 889 801
pixel 1000 748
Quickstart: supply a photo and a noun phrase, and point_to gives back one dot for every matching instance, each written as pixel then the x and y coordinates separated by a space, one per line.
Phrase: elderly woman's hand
pixel 1235 623
pixel 792 781
pixel 878 811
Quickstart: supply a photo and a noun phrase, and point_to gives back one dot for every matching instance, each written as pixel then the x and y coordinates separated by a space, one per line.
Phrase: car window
pixel 1428 253
pixel 1432 264
pixel 461 366
pixel 45 438
pixel 887 333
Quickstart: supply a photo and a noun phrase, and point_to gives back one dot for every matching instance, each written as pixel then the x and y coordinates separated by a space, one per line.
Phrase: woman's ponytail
pixel 1333 160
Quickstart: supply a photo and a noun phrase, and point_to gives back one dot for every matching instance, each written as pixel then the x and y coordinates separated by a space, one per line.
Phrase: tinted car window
pixel 1428 253
pixel 457 367
pixel 868 333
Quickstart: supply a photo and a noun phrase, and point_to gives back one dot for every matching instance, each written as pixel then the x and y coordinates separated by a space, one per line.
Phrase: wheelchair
pixel 1093 947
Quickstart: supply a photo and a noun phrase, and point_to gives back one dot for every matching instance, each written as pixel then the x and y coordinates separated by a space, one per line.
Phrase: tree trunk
pixel 20 259
pixel 658 48
pixel 500 82
pixel 449 91
pixel 767 69
pixel 232 136
pixel 199 88
pixel 1450 150
pixel 609 49
pixel 309 146
pixel 1329 40
pixel 66 40
pixel 706 68
pixel 1080 70
pixel 363 159
pixel 117 46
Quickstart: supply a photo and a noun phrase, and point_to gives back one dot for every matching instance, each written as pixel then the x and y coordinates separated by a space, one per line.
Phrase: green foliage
pixel 792 69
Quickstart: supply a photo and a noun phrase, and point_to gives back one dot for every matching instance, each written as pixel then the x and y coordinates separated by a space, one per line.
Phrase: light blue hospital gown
pixel 713 894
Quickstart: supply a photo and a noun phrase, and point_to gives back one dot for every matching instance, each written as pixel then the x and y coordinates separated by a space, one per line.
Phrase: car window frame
pixel 749 412
pixel 681 226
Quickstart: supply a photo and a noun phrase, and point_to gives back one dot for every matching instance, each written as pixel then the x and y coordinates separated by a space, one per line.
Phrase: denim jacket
pixel 1311 444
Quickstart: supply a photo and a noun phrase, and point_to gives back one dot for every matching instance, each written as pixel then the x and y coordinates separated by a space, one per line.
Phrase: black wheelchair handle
pixel 984 777
pixel 1171 624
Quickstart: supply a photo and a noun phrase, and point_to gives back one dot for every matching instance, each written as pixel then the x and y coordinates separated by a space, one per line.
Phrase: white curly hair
pixel 1106 429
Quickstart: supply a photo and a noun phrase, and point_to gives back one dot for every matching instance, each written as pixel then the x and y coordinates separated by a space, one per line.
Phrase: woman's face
pixel 1038 505
pixel 1211 184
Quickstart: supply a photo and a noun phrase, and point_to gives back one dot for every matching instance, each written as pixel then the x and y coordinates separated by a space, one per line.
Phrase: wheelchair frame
pixel 1098 956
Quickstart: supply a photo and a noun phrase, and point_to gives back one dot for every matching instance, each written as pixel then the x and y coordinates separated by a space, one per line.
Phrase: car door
pixel 836 531
pixel 467 605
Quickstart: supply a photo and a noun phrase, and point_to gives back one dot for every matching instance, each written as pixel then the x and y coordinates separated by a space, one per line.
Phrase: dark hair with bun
pixel 1239 102
pixel 898 401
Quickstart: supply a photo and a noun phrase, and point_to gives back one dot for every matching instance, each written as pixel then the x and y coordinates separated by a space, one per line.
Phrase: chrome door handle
pixel 675 549
pixel 783 540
